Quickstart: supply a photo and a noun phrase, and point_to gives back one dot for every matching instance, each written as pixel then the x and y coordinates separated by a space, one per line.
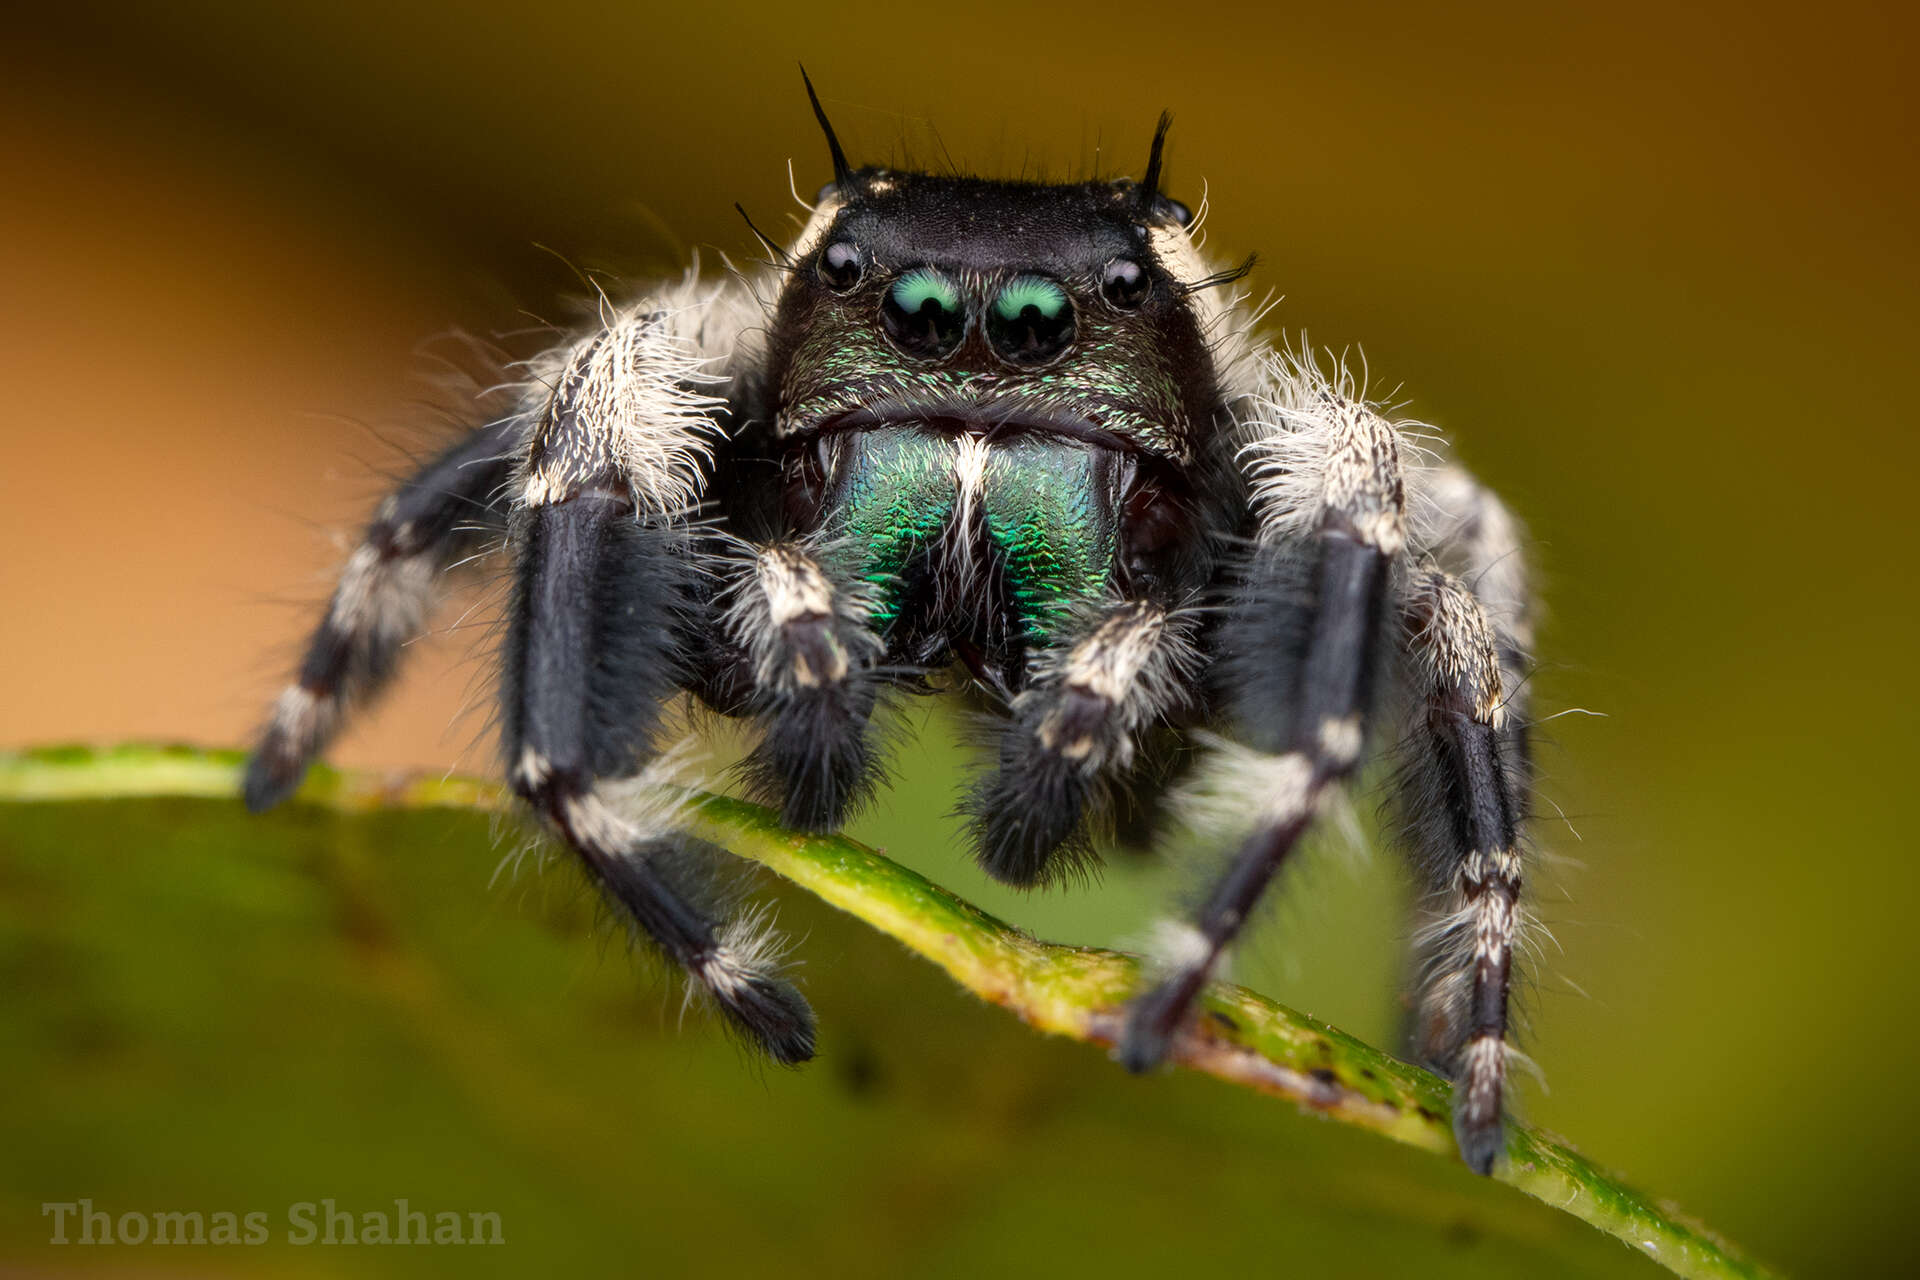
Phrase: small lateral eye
pixel 1031 321
pixel 923 315
pixel 1125 284
pixel 841 265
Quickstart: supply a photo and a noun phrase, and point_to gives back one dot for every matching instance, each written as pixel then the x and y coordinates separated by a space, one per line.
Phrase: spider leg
pixel 381 602
pixel 1479 542
pixel 1119 669
pixel 1463 791
pixel 1306 639
pixel 607 602
pixel 807 633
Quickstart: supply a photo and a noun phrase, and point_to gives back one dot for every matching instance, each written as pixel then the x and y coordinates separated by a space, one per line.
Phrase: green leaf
pixel 229 1012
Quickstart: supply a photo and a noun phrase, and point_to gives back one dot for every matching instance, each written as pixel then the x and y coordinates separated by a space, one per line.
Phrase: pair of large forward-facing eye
pixel 1028 322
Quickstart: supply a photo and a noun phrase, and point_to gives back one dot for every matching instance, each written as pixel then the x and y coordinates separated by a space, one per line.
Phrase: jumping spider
pixel 1020 432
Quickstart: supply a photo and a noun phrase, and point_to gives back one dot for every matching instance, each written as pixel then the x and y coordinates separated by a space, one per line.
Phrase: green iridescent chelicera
pixel 897 496
pixel 1051 533
pixel 1045 516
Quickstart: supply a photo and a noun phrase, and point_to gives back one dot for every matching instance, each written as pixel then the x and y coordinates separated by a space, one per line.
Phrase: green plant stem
pixel 1076 992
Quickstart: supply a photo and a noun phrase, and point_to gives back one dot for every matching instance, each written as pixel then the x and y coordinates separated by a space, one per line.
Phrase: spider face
pixel 977 382
pixel 1014 431
pixel 993 305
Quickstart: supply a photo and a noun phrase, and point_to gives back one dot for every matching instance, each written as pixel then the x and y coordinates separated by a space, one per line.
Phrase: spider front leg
pixel 807 631
pixel 1117 669
pixel 1304 642
pixel 609 603
pixel 439 516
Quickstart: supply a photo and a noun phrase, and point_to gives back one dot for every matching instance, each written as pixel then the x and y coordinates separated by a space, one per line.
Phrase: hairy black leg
pixel 808 636
pixel 1118 670
pixel 1479 542
pixel 1463 790
pixel 593 650
pixel 439 516
pixel 1307 640
pixel 607 603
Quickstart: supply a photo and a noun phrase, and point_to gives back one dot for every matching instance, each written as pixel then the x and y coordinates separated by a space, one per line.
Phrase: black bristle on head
pixel 842 171
pixel 767 242
pixel 1227 276
pixel 1148 193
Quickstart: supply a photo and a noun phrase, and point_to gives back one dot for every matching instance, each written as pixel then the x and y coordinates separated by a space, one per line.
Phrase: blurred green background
pixel 1652 269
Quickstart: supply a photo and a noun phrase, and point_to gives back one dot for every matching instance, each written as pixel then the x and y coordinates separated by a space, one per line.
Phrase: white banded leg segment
pixel 385 592
pixel 1478 540
pixel 1132 666
pixel 1465 801
pixel 808 635
pixel 608 590
pixel 1320 457
pixel 605 580
pixel 648 867
pixel 1117 671
pixel 592 652
pixel 800 629
pixel 633 406
pixel 1326 470
pixel 1481 543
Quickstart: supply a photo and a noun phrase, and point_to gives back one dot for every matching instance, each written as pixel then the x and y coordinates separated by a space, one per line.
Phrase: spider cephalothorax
pixel 991 396
pixel 1018 431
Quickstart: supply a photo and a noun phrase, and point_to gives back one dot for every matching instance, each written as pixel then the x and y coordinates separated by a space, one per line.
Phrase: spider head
pixel 993 393
pixel 993 307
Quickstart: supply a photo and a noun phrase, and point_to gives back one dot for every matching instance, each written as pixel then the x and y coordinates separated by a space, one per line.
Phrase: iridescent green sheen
pixel 922 285
pixel 1046 516
pixel 1042 295
pixel 896 497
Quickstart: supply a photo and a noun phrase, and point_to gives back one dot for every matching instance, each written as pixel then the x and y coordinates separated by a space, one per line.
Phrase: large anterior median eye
pixel 1031 321
pixel 923 315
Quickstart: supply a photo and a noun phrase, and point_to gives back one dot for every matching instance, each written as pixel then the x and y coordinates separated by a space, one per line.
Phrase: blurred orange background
pixel 1653 268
